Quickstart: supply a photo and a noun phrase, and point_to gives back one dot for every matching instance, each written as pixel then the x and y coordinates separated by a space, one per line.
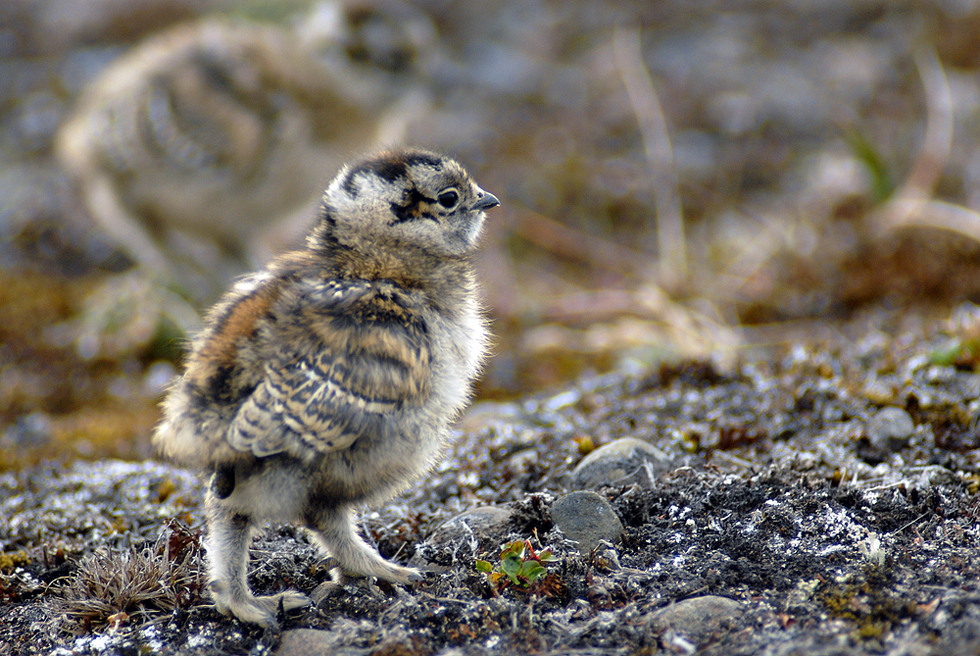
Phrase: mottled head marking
pixel 419 157
pixel 413 206
pixel 327 224
pixel 413 198
pixel 390 166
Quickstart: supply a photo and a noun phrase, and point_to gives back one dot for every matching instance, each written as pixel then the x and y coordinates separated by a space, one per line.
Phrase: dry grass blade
pixel 936 214
pixel 138 582
pixel 569 242
pixel 911 201
pixel 656 142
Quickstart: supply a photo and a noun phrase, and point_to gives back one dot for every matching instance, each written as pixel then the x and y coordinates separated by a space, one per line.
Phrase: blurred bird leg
pixel 192 148
pixel 656 142
pixel 103 204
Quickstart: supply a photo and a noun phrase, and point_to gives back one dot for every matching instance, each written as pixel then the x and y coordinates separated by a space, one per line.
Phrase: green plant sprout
pixel 519 563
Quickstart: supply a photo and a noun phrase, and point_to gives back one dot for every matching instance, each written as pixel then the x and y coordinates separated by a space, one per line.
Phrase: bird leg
pixel 333 529
pixel 230 534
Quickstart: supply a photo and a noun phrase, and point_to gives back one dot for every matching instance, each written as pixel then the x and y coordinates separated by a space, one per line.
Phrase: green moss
pixel 8 561
pixel 872 630
pixel 872 605
pixel 839 602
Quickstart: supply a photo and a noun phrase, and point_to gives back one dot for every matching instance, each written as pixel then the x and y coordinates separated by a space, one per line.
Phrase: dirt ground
pixel 771 490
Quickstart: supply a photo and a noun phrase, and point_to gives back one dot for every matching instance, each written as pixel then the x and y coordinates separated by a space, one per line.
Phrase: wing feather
pixel 364 358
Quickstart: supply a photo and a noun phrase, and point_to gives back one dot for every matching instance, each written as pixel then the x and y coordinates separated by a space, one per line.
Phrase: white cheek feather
pixel 374 186
pixel 476 228
pixel 342 203
pixel 465 343
pixel 247 284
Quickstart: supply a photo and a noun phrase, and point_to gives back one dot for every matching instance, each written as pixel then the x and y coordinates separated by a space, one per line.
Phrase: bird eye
pixel 448 198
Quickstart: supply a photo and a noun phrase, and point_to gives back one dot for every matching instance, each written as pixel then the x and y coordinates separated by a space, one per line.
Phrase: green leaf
pixel 948 356
pixel 882 185
pixel 513 549
pixel 484 566
pixel 512 568
pixel 533 570
pixel 546 556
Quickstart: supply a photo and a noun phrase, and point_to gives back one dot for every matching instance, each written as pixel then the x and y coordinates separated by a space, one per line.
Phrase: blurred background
pixel 678 179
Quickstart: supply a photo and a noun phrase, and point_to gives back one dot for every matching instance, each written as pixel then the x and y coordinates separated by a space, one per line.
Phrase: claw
pixel 329 563
pixel 262 610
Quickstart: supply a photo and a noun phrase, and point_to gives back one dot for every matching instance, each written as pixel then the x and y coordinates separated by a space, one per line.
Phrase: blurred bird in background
pixel 203 150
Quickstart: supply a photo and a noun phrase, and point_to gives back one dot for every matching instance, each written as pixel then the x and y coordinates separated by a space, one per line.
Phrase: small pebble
pixel 586 518
pixel 486 524
pixel 969 384
pixel 890 429
pixel 560 401
pixel 625 461
pixel 700 620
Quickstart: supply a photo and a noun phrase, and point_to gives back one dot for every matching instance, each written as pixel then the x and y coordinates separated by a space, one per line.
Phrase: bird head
pixel 409 199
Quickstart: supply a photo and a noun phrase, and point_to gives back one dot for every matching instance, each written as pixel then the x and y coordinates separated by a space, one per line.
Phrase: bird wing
pixel 360 355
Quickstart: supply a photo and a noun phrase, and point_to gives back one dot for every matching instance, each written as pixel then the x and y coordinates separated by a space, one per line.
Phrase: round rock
pixel 699 620
pixel 625 461
pixel 301 642
pixel 586 518
pixel 487 524
pixel 890 429
pixel 478 530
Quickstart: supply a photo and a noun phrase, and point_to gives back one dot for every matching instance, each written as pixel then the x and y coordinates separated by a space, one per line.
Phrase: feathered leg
pixel 334 530
pixel 230 534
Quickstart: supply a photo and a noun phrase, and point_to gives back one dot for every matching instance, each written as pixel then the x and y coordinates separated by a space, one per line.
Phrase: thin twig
pixel 699 332
pixel 567 241
pixel 656 142
pixel 914 521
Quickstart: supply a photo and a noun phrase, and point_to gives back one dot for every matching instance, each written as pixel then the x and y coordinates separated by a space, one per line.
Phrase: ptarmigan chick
pixel 202 149
pixel 330 378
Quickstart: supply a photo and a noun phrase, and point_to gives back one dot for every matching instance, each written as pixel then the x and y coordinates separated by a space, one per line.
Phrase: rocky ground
pixel 734 392
pixel 821 500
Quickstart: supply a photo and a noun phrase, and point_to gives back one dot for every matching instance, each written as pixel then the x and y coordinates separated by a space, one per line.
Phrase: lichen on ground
pixel 823 544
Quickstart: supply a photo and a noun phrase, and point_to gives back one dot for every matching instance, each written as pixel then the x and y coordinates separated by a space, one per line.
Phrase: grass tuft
pixel 134 584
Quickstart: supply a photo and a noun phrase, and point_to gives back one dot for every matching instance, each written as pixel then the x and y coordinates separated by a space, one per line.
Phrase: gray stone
pixel 521 460
pixel 309 642
pixel 969 384
pixel 301 642
pixel 586 518
pixel 623 462
pixel 699 620
pixel 486 524
pixel 890 429
pixel 468 534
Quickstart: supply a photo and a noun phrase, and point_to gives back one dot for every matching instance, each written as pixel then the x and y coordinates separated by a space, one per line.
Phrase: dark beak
pixel 485 202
